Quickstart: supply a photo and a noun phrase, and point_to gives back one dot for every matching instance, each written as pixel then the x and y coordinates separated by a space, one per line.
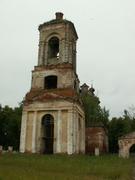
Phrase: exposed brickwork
pixel 96 137
pixel 43 95
pixel 52 66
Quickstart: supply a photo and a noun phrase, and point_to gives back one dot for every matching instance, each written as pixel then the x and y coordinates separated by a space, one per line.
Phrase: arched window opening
pixel 132 150
pixel 48 133
pixel 53 48
pixel 50 82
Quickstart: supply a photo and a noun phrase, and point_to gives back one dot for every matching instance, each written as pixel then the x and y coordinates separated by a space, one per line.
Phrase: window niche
pixel 50 82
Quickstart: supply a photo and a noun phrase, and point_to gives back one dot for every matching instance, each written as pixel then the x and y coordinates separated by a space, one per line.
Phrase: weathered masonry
pixel 125 144
pixel 53 117
pixel 96 137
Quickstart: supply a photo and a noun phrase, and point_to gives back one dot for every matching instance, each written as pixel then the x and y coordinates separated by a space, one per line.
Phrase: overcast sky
pixel 105 48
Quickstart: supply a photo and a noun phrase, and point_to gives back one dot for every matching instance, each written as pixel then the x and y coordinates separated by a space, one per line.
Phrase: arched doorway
pixel 132 150
pixel 48 133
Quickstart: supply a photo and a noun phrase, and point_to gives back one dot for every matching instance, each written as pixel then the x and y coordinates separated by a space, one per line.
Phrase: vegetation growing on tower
pixel 94 113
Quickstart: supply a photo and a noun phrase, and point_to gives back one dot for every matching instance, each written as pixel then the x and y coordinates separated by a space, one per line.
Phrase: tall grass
pixel 62 167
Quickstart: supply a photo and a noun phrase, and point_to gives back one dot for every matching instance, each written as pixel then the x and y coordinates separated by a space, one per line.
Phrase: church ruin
pixel 53 119
pixel 126 142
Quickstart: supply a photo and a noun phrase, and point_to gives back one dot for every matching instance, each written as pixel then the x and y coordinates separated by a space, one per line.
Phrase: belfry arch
pixel 53 47
pixel 125 143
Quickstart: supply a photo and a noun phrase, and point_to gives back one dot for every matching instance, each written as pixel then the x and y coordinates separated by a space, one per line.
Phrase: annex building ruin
pixel 126 142
pixel 53 118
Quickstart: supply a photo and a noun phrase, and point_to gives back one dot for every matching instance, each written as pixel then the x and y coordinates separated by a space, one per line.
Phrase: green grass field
pixel 63 167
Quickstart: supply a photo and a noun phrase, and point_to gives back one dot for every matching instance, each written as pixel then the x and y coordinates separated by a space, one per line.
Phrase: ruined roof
pixel 96 124
pixel 128 136
pixel 58 20
pixel 84 85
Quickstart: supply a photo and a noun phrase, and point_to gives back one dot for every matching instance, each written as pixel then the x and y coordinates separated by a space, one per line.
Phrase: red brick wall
pixel 96 137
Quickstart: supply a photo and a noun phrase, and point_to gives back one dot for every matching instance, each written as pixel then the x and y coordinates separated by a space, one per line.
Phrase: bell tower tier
pixel 53 116
pixel 57 42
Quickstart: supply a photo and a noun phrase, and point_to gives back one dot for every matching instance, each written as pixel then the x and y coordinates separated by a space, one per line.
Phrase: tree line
pixel 10 124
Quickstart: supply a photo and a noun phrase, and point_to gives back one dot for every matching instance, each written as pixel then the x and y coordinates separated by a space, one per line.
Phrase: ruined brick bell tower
pixel 53 117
